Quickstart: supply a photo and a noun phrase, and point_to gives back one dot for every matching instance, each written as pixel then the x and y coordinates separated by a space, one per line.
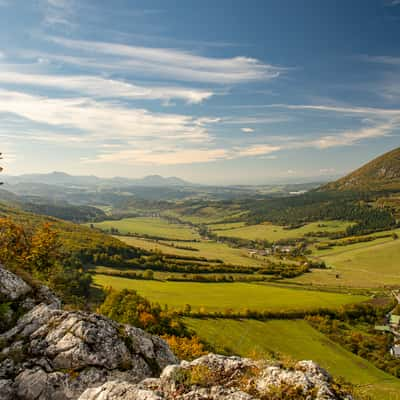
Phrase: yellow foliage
pixel 35 250
pixel 185 348
pixel 14 243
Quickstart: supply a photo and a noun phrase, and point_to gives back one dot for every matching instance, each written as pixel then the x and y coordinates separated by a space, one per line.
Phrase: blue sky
pixel 212 91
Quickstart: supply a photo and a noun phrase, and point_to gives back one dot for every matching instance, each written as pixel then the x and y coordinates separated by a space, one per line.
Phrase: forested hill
pixel 78 242
pixel 380 174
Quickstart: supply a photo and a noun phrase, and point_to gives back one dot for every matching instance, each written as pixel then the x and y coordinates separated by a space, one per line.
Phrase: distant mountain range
pixel 380 174
pixel 63 179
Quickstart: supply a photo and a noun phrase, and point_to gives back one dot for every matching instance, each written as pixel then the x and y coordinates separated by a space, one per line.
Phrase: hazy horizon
pixel 276 181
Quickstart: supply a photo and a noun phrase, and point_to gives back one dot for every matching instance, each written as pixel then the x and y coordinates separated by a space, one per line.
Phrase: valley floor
pixel 297 340
pixel 237 297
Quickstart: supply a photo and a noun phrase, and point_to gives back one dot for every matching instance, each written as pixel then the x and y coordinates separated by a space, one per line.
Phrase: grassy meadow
pixel 208 249
pixel 369 264
pixel 150 226
pixel 268 231
pixel 295 339
pixel 205 215
pixel 210 297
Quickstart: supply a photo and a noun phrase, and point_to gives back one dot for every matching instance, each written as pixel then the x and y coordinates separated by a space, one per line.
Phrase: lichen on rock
pixel 219 377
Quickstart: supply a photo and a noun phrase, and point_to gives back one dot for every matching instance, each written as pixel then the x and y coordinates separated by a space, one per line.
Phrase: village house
pixel 395 351
pixel 282 249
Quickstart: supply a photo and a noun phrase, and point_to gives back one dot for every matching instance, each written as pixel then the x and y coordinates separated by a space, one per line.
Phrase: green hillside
pixel 380 174
pixel 77 240
pixel 298 340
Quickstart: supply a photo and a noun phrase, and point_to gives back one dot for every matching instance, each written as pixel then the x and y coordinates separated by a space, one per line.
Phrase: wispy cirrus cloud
pixel 161 156
pixel 375 123
pixel 166 63
pixel 116 133
pixel 101 119
pixel 106 88
pixel 351 137
pixel 384 112
pixel 178 156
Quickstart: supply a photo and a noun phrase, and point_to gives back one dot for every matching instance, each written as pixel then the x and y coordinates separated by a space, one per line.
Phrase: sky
pixel 217 92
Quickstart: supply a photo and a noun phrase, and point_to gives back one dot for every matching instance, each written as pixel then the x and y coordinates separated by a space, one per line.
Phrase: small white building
pixel 395 351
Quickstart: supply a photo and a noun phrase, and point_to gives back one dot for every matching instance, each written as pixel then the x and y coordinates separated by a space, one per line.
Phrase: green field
pixel 150 226
pixel 236 296
pixel 205 215
pixel 370 264
pixel 267 231
pixel 298 340
pixel 208 249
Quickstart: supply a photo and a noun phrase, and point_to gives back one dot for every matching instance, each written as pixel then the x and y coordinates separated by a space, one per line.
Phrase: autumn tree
pixel 128 307
pixel 186 348
pixel 14 243
pixel 44 250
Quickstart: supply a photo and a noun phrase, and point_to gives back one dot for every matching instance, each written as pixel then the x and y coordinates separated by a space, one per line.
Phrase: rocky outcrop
pixel 56 354
pixel 12 287
pixel 17 297
pixel 53 354
pixel 225 378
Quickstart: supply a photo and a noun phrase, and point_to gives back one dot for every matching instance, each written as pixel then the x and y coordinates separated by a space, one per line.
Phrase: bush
pixel 186 348
pixel 128 307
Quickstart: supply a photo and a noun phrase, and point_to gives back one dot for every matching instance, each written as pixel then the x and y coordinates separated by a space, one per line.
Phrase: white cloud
pixel 101 119
pixel 166 63
pixel 378 122
pixel 257 150
pixel 162 156
pixel 116 133
pixel 106 88
pixel 254 120
pixel 177 156
pixel 247 130
pixel 351 137
pixel 343 110
pixel 125 135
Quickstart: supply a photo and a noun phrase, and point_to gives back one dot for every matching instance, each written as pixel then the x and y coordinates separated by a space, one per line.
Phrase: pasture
pixel 156 227
pixel 371 264
pixel 270 232
pixel 205 215
pixel 208 249
pixel 298 340
pixel 210 297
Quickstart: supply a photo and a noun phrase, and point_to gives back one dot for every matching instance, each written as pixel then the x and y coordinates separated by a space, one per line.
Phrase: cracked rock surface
pixel 12 287
pixel 224 378
pixel 56 354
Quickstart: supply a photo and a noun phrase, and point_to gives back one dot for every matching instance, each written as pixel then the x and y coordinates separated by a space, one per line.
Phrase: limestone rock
pixel 56 354
pixel 12 287
pixel 215 377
